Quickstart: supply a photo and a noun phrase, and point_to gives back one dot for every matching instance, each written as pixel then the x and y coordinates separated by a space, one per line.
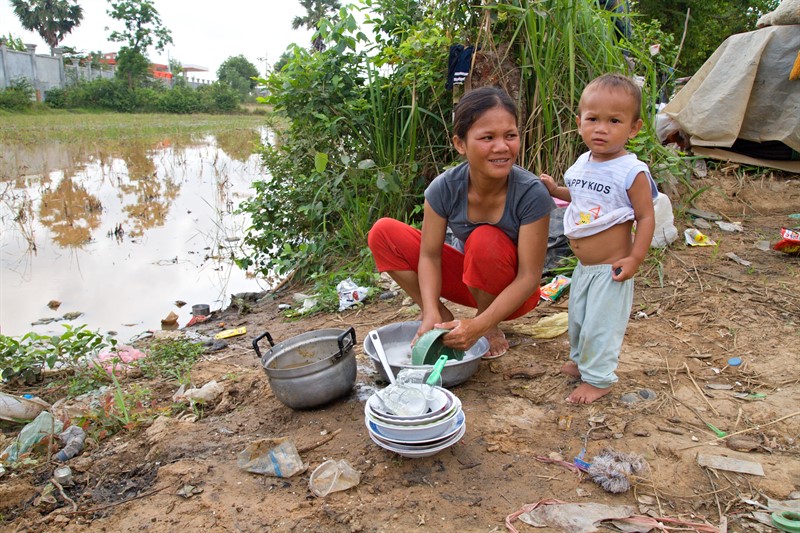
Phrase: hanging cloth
pixel 458 65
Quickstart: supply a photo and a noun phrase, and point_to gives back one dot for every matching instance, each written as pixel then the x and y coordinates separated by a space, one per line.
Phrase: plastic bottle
pixel 72 438
pixel 665 232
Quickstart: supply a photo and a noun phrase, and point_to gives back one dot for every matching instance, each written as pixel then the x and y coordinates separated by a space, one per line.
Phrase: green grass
pixel 36 127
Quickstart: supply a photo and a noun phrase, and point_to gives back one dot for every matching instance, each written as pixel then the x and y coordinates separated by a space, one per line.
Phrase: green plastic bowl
pixel 429 347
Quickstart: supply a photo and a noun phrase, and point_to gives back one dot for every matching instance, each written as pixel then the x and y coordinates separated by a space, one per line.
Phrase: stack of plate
pixel 417 436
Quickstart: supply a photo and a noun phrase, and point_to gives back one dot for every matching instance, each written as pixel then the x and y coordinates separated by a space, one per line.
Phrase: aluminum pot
pixel 396 339
pixel 311 369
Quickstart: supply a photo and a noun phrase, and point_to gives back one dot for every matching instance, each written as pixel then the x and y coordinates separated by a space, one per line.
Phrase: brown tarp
pixel 743 92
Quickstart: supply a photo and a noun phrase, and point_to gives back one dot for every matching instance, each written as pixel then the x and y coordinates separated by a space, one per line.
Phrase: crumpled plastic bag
pixel 548 327
pixel 274 457
pixel 205 394
pixel 350 294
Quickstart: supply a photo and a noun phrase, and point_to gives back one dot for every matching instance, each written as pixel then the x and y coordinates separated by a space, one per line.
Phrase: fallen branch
pixel 320 442
pixel 757 427
pixel 114 504
pixel 689 373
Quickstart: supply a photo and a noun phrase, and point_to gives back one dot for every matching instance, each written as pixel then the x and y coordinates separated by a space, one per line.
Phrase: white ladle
pixel 376 342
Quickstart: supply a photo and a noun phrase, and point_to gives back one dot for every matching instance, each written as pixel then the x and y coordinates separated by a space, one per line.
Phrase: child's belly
pixel 604 247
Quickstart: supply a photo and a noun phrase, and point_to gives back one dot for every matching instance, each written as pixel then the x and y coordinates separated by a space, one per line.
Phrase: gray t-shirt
pixel 527 200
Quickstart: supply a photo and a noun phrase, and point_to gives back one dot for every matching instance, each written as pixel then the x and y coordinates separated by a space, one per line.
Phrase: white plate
pixel 381 417
pixel 442 404
pixel 407 434
pixel 460 420
pixel 422 452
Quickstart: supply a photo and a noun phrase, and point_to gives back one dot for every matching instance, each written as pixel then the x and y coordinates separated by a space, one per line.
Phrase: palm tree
pixel 316 11
pixel 51 19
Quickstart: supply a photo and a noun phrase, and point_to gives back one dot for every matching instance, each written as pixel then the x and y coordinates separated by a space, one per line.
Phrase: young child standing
pixel 608 189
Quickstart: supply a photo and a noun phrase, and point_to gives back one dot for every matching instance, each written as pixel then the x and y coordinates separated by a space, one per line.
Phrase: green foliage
pixel 316 11
pixel 239 73
pixel 116 95
pixel 132 67
pixel 709 24
pixel 352 152
pixel 13 43
pixel 53 20
pixel 18 96
pixel 170 359
pixel 38 352
pixel 143 27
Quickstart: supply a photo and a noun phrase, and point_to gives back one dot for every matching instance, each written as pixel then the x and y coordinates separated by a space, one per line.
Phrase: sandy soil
pixel 693 311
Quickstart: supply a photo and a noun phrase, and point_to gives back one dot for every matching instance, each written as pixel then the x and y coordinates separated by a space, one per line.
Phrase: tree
pixel 710 23
pixel 143 29
pixel 238 72
pixel 51 19
pixel 316 10
pixel 143 26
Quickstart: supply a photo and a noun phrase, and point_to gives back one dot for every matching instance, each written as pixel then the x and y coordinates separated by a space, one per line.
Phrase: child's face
pixel 491 145
pixel 606 122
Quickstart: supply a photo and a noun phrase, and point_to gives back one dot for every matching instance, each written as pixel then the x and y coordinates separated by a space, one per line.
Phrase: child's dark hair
pixel 475 103
pixel 617 82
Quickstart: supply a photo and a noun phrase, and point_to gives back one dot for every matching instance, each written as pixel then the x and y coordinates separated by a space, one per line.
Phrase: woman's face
pixel 491 145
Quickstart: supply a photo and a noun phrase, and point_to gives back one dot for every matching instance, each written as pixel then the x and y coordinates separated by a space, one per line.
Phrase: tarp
pixel 743 92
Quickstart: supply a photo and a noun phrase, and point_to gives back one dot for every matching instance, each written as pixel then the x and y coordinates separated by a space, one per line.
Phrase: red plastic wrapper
pixel 789 243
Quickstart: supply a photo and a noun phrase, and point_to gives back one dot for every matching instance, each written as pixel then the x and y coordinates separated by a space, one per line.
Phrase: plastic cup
pixel 332 476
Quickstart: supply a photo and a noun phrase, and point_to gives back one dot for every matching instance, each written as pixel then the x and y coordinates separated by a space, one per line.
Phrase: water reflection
pixel 121 231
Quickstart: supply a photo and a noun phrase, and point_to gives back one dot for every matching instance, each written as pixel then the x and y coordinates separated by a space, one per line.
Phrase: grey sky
pixel 205 32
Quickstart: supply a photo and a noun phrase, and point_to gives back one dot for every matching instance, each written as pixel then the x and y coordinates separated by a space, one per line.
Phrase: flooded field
pixel 122 227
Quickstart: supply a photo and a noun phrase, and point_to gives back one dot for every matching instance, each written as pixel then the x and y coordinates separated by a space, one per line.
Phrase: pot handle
pixel 269 338
pixel 341 341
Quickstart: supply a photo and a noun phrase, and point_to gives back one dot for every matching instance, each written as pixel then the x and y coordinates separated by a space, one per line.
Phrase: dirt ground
pixel 694 309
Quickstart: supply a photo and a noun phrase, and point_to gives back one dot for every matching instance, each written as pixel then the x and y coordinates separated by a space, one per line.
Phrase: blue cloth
pixel 458 65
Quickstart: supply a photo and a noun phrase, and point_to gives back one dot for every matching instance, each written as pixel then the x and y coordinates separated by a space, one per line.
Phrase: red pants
pixel 489 261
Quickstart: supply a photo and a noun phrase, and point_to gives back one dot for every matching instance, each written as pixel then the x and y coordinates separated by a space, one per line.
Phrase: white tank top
pixel 599 192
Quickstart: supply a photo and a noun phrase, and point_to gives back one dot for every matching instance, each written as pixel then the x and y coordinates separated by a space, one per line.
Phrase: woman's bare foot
pixel 570 368
pixel 585 393
pixel 498 345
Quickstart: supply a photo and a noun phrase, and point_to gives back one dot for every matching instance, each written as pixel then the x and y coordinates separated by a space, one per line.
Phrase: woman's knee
pixel 488 243
pixel 381 230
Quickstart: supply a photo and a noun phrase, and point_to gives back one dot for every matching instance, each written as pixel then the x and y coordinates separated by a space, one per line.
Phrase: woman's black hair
pixel 475 103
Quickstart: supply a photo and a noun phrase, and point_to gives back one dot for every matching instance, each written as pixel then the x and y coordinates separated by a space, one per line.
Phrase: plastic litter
pixel 552 291
pixel 117 361
pixel 72 439
pixel 548 327
pixel 205 394
pixel 333 476
pixel 230 333
pixel 273 457
pixel 63 475
pixel 43 426
pixel 789 243
pixel 350 294
pixel 730 226
pixel 16 408
pixel 665 232
pixel 695 238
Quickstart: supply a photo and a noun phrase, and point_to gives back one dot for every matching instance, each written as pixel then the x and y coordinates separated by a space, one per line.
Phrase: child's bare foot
pixel 585 393
pixel 498 345
pixel 570 368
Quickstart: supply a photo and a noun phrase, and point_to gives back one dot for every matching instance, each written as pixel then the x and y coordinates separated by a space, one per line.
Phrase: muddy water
pixel 122 232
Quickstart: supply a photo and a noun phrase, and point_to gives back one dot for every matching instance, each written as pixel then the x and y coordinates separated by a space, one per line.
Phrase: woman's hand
pixel 429 321
pixel 463 333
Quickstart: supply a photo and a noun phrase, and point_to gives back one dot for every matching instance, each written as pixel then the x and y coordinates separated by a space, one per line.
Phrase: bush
pixel 56 98
pixel 18 96
pixel 181 100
